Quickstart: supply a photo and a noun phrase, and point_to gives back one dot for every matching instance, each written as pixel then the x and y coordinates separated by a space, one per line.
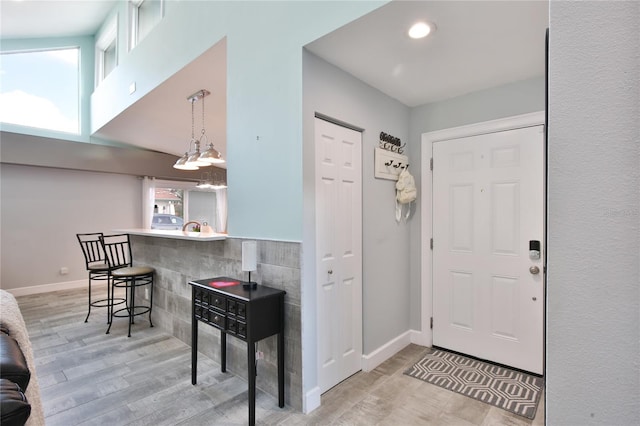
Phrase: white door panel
pixel 339 252
pixel 488 202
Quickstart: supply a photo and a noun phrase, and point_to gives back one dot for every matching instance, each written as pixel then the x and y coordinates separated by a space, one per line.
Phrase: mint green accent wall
pixel 186 31
pixel 264 94
pixel 265 108
pixel 87 60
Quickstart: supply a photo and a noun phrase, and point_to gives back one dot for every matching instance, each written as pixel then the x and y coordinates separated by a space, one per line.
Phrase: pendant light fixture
pixel 181 164
pixel 194 160
pixel 208 182
pixel 211 155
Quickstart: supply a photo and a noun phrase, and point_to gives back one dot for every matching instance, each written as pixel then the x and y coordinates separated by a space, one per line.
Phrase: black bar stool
pixel 124 274
pixel 98 269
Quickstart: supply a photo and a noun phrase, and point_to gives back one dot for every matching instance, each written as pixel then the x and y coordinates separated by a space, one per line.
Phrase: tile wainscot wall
pixel 179 261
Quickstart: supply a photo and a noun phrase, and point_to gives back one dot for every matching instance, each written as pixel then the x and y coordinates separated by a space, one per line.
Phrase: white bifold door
pixel 488 212
pixel 338 252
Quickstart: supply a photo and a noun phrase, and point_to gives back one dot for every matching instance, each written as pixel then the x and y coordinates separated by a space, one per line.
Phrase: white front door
pixel 338 252
pixel 488 204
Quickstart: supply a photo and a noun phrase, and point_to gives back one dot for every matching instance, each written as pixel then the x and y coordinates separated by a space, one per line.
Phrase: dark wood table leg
pixel 251 367
pixel 223 351
pixel 194 343
pixel 281 369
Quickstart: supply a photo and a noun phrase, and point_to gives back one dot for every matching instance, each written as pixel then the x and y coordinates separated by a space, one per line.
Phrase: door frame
pixel 426 193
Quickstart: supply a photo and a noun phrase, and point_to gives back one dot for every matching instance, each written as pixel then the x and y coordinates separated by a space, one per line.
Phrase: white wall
pixel 42 211
pixel 391 263
pixel 334 93
pixel 593 337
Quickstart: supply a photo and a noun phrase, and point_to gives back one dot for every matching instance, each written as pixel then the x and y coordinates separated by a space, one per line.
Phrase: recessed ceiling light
pixel 421 29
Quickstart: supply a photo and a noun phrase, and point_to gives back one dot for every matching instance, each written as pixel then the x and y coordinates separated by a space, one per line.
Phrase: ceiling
pixel 477 45
pixel 52 18
pixel 161 120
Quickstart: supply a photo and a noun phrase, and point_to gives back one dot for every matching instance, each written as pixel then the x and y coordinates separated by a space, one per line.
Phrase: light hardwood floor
pixel 90 378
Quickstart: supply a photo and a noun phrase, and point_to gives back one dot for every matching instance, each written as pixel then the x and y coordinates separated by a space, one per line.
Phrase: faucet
pixel 198 227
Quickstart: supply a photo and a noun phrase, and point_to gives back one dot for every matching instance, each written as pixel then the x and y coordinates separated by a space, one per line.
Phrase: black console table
pixel 249 315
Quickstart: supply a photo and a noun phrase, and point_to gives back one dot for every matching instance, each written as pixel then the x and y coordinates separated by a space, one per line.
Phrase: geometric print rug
pixel 501 387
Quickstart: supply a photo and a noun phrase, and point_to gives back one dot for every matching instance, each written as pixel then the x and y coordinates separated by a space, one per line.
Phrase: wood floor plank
pixel 91 378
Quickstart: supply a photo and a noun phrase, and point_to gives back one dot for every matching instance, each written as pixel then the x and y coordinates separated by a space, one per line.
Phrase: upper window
pixel 106 50
pixel 40 88
pixel 144 16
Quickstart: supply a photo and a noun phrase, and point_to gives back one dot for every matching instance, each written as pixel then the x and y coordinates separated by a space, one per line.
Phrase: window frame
pixel 187 187
pixel 134 21
pixel 79 101
pixel 86 83
pixel 108 37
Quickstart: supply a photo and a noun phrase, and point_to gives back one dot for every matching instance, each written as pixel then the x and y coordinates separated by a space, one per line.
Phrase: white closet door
pixel 338 251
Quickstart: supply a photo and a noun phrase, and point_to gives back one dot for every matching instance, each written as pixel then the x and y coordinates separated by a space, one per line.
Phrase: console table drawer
pixel 198 310
pixel 237 308
pixel 218 302
pixel 200 296
pixel 236 327
pixel 242 330
pixel 215 318
pixel 205 298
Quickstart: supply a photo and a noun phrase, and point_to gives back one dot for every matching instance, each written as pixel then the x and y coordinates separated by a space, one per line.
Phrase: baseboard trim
pixel 420 338
pixel 311 400
pixel 46 288
pixel 386 351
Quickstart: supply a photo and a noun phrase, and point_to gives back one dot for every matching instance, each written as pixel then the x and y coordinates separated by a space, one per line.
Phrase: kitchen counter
pixel 178 235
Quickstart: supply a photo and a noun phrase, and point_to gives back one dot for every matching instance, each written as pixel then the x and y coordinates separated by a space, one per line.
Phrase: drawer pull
pixel 241 310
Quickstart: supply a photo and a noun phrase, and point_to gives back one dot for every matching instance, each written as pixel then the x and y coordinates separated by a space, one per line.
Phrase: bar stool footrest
pixel 119 313
pixel 103 303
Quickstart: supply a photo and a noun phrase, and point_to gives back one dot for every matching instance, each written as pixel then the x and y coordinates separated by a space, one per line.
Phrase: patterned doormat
pixel 509 390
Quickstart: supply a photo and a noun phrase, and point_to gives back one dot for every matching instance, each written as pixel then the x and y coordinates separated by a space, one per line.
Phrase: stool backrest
pixel 117 250
pixel 91 248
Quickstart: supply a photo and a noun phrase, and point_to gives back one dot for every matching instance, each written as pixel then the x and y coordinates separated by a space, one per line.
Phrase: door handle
pixel 534 270
pixel 330 271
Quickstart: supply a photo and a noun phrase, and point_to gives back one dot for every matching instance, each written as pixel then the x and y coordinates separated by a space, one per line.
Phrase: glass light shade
pixel 211 155
pixel 181 164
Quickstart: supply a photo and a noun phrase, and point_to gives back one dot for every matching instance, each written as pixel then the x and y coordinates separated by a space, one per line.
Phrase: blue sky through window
pixel 41 89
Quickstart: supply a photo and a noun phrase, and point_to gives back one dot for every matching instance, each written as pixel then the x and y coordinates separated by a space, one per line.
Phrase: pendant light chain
pixel 202 117
pixel 192 119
